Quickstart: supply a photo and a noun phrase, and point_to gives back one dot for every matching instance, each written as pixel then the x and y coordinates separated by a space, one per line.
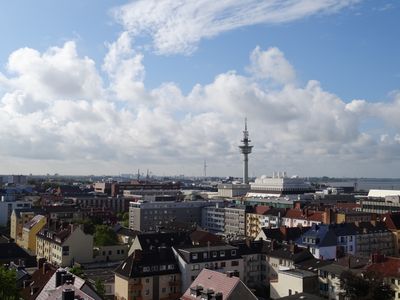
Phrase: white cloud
pixel 300 128
pixel 177 26
pixel 271 65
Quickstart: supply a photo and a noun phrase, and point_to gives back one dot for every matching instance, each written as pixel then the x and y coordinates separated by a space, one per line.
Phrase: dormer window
pixel 233 252
pixel 195 256
pixel 222 253
pixel 214 254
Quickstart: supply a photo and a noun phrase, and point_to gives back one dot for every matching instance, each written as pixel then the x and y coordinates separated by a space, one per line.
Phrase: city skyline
pixel 107 88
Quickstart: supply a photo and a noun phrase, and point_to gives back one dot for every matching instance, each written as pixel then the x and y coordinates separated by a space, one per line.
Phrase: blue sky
pixel 159 62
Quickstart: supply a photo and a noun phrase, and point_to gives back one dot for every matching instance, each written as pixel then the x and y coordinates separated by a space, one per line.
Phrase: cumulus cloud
pixel 177 26
pixel 55 108
pixel 271 65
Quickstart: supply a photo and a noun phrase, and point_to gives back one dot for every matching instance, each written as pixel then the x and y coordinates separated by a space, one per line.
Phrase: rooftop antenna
pixel 205 168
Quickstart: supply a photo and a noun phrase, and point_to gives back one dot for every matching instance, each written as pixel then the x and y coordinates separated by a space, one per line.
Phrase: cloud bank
pixel 57 112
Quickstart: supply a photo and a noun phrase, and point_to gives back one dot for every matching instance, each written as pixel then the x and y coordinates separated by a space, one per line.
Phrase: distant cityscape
pixel 149 237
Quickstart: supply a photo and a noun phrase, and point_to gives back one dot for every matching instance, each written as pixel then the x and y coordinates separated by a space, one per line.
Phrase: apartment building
pixel 235 221
pixel 65 247
pixel 262 217
pixel 213 218
pixel 19 217
pixel 29 231
pixel 192 259
pixel 148 275
pixel 148 215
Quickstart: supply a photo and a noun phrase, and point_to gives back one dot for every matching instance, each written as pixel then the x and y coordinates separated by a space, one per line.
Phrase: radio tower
pixel 205 169
pixel 245 149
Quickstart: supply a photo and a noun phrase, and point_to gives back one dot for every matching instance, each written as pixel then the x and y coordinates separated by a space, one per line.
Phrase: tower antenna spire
pixel 245 149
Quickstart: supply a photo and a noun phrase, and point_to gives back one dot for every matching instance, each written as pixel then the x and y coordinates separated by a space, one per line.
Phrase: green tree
pixel 78 271
pixel 104 236
pixel 8 284
pixel 100 288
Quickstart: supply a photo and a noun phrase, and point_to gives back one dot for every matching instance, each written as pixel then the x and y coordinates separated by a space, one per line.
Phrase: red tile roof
pixel 261 209
pixel 390 267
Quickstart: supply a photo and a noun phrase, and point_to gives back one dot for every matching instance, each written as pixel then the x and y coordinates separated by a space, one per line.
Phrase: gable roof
pixel 151 240
pixel 231 287
pixel 148 263
pixel 283 233
pixel 39 278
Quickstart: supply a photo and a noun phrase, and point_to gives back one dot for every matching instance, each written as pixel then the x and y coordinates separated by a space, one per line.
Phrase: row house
pixel 148 275
pixel 64 247
pixel 336 240
pixel 192 260
pixel 306 217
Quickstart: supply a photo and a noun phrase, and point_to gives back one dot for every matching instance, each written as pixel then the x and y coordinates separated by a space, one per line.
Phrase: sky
pixel 110 87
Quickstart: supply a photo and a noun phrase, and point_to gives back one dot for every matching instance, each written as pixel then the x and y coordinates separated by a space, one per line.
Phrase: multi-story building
pixel 148 275
pixel 29 232
pixel 392 222
pixel 213 218
pixel 235 221
pixel 306 217
pixel 150 215
pixel 7 207
pixel 145 188
pixel 254 264
pixel 192 260
pixel 372 237
pixel 329 275
pixel 232 189
pixel 381 201
pixel 279 184
pixel 115 204
pixel 389 269
pixel 293 281
pixel 65 247
pixel 283 257
pixel 19 217
pixel 262 217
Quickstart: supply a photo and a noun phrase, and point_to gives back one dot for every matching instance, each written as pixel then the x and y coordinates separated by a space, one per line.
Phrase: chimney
pixel 68 294
pixel 45 267
pixel 40 262
pixel 59 276
pixel 218 296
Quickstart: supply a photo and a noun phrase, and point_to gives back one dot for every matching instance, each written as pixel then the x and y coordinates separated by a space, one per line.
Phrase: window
pixel 205 255
pixel 290 292
pixel 163 267
pixel 147 292
pixel 171 267
pixel 222 253
pixel 233 252
pixel 223 264
pixel 147 280
pixel 214 254
pixel 194 256
pixel 146 269
pixel 234 263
